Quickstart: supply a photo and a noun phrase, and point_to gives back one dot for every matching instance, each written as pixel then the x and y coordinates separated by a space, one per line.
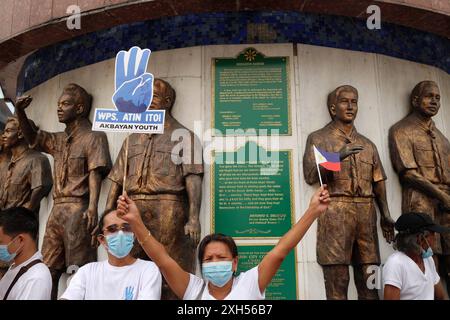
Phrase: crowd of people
pixel 409 273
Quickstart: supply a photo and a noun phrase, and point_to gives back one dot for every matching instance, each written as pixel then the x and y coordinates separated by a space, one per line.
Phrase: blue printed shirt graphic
pixel 129 293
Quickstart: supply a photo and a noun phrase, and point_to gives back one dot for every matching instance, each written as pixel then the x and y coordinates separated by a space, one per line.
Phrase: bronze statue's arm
pixel 95 182
pixel 194 191
pixel 416 180
pixel 379 189
pixel 28 132
pixel 113 195
pixel 309 164
pixel 36 196
pixel 387 223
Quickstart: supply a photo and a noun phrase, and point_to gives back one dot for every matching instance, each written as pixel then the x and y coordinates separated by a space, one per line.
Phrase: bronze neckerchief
pixel 429 129
pixel 66 152
pixel 350 138
pixel 146 163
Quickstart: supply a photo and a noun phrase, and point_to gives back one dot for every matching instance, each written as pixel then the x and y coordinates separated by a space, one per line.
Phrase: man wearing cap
pixel 410 272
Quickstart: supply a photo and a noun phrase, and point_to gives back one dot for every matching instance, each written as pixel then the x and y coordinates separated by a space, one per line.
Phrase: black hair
pixel 419 88
pixel 81 96
pixel 101 221
pixel 334 95
pixel 216 237
pixel 17 220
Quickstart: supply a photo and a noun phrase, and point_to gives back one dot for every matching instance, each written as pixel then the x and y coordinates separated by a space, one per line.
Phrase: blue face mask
pixel 429 252
pixel 218 273
pixel 5 256
pixel 120 243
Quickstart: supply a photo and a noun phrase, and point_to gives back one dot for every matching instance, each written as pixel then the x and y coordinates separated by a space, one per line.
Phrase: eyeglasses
pixel 115 228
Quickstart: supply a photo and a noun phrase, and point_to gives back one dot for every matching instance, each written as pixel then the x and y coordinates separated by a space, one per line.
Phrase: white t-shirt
pixel 102 281
pixel 245 287
pixel 35 284
pixel 402 272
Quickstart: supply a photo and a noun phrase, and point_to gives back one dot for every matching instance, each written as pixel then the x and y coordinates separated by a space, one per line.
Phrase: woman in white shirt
pixel 218 257
pixel 410 272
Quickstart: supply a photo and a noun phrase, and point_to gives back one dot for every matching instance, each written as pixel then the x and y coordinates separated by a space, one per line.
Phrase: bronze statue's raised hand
pixel 387 226
pixel 23 102
pixel 349 149
pixel 192 229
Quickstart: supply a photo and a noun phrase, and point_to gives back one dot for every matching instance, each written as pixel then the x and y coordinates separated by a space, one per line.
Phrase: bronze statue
pixel 167 193
pixel 81 161
pixel 28 174
pixel 420 154
pixel 5 156
pixel 347 231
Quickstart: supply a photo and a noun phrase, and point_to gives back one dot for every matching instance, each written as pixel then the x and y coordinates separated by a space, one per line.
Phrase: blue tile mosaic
pixel 235 28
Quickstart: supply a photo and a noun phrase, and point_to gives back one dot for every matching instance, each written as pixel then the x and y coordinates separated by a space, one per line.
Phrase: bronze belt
pixel 352 199
pixel 69 200
pixel 173 197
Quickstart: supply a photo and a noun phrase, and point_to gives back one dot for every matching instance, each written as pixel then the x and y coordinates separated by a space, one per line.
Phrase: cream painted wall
pixel 384 84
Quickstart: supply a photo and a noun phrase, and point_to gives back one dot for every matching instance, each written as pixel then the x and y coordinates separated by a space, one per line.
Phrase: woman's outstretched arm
pixel 272 261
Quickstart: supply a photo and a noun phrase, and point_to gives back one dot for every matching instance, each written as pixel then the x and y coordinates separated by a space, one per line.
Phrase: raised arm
pixel 27 130
pixel 272 261
pixel 176 277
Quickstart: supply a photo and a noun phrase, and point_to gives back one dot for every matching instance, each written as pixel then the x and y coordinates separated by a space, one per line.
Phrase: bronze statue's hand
pixel 128 211
pixel 387 226
pixel 94 242
pixel 23 102
pixel 192 229
pixel 320 200
pixel 349 149
pixel 91 216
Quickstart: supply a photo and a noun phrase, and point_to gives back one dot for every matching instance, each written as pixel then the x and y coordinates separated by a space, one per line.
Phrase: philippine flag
pixel 329 160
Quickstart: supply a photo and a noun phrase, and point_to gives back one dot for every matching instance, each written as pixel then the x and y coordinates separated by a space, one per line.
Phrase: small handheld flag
pixel 329 160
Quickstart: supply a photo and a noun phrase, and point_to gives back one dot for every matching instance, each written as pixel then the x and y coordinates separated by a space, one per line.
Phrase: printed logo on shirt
pixel 129 293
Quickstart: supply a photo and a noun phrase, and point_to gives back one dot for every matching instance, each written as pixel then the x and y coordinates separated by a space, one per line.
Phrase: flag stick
pixel 320 176
pixel 126 164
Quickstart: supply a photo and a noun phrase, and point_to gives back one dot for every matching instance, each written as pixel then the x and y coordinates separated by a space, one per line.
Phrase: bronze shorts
pixel 347 233
pixel 67 241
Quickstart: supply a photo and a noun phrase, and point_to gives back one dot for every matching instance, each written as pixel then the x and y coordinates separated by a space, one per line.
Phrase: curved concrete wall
pixel 384 85
pixel 23 15
pixel 26 25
